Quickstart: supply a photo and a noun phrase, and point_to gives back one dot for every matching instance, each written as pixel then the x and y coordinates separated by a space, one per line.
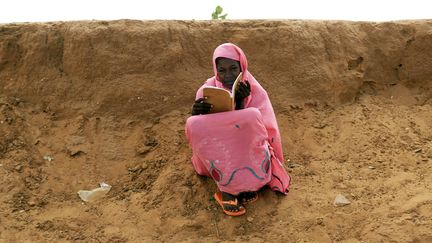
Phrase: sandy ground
pixel 107 101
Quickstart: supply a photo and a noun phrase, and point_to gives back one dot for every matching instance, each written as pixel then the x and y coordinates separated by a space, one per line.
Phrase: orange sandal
pixel 250 200
pixel 218 197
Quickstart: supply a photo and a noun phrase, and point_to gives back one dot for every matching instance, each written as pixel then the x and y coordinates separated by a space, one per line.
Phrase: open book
pixel 221 99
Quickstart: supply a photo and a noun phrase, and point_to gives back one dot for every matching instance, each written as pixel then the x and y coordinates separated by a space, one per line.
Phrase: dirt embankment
pixel 86 102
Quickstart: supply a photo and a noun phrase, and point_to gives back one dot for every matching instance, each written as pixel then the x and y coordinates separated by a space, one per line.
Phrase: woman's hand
pixel 242 92
pixel 201 107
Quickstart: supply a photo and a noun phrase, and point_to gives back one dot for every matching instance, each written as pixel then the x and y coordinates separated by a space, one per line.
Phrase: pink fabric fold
pixel 267 120
pixel 232 148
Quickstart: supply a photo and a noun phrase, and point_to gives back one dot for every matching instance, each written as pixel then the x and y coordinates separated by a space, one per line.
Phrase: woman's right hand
pixel 201 107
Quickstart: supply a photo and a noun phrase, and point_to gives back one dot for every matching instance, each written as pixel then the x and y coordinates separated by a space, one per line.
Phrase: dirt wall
pixel 89 102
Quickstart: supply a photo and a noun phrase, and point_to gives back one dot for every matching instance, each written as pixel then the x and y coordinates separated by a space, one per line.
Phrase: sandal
pixel 248 197
pixel 242 210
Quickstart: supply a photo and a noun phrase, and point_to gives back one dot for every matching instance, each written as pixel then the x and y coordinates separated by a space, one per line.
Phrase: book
pixel 222 99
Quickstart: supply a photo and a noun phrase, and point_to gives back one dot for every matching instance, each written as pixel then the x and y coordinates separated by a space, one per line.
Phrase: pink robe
pixel 241 150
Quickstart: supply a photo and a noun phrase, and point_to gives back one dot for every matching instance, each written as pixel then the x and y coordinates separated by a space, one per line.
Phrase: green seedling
pixel 217 14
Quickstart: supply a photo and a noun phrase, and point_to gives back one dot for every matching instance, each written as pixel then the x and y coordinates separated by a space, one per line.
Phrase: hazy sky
pixel 55 10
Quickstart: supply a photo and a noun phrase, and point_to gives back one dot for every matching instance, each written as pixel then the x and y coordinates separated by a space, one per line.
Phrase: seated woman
pixel 241 149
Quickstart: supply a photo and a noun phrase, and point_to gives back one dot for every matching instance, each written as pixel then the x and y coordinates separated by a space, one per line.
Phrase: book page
pixel 235 85
pixel 220 99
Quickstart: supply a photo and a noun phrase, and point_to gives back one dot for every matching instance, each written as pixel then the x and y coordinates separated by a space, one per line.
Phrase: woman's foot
pixel 229 204
pixel 230 207
pixel 248 197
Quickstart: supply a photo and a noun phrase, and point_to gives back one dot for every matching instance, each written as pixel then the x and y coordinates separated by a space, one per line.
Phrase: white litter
pixel 341 200
pixel 95 194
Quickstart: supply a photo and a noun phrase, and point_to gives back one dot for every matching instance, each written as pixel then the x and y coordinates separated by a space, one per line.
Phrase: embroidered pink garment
pixel 261 127
pixel 232 148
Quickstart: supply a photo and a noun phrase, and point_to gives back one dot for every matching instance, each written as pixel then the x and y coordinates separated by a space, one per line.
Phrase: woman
pixel 241 150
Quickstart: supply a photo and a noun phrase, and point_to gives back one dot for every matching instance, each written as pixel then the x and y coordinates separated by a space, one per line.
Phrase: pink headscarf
pixel 230 51
pixel 258 97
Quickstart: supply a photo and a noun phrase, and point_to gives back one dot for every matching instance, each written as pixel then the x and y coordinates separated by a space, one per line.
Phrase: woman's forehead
pixel 223 61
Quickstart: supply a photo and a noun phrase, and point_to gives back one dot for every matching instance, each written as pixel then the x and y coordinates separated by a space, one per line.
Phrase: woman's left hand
pixel 243 91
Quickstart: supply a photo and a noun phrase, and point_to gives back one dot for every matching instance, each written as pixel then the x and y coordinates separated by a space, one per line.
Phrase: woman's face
pixel 227 70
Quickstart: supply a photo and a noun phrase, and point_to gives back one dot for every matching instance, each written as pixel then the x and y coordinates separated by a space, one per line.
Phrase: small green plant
pixel 217 13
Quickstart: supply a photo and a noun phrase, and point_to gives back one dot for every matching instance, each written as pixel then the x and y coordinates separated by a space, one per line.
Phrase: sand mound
pixel 86 102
